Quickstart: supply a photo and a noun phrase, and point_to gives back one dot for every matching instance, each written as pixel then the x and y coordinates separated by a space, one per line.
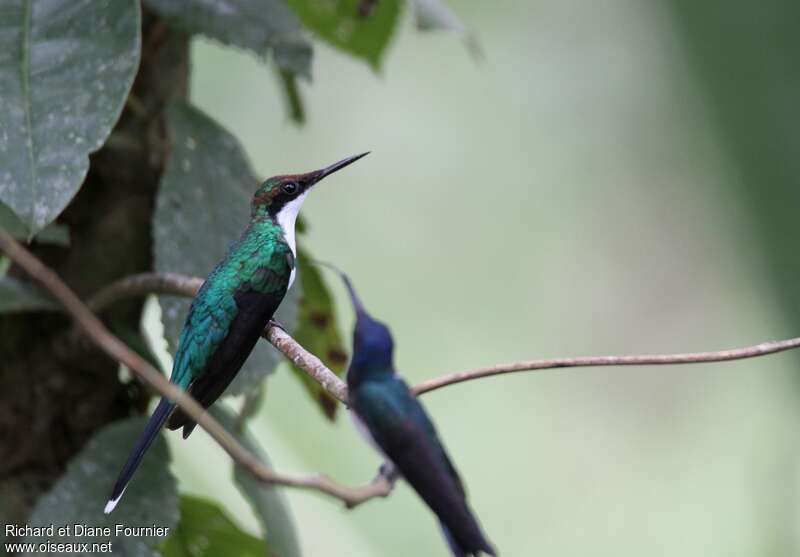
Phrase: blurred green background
pixel 580 190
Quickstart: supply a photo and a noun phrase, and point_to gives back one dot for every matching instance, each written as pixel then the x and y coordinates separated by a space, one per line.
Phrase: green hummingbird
pixel 233 306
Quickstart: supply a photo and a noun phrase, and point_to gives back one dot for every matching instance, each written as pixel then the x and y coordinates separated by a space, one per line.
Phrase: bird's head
pixel 280 197
pixel 373 346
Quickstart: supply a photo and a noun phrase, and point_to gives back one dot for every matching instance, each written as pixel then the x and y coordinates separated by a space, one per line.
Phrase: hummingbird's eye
pixel 289 188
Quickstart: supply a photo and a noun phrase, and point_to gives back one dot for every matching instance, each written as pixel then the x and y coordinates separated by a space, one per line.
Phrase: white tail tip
pixel 112 503
pixel 110 506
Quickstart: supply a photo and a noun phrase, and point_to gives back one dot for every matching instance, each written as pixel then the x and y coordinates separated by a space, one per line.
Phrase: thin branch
pixel 142 285
pixel 381 486
pixel 763 349
pixel 181 285
pixel 171 283
pixel 119 351
pixel 306 361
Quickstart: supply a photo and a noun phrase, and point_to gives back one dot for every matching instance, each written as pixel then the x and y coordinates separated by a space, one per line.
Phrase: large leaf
pixel 57 234
pixel 205 530
pixel 342 24
pixel 203 205
pixel 16 296
pixel 317 330
pixel 267 501
pixel 66 67
pixel 81 493
pixel 258 25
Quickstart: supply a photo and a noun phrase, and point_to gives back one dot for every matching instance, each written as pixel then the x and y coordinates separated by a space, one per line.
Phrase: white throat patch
pixel 287 217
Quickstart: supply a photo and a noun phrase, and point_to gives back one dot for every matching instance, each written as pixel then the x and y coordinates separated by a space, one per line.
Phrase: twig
pixel 306 361
pixel 143 284
pixel 181 285
pixel 381 486
pixel 171 283
pixel 118 350
pixel 763 349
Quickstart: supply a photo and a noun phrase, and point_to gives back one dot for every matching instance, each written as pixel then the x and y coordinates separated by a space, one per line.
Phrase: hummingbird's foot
pixel 389 472
pixel 276 323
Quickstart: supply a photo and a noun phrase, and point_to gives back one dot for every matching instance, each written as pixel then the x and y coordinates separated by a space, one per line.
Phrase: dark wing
pixel 399 425
pixel 256 302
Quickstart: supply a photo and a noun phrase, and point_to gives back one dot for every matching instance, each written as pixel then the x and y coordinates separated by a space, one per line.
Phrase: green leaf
pixel 317 330
pixel 66 67
pixel 79 496
pixel 17 296
pixel 291 95
pixel 57 234
pixel 341 24
pixel 258 25
pixel 436 15
pixel 267 501
pixel 300 225
pixel 205 530
pixel 203 205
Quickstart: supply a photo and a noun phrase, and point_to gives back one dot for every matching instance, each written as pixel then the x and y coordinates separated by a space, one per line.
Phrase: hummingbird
pixel 231 309
pixel 394 422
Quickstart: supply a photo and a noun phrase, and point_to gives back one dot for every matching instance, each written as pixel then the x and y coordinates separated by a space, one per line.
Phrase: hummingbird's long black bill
pixel 309 179
pixel 357 303
pixel 327 171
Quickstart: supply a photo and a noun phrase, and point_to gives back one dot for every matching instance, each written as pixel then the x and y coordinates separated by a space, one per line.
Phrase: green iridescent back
pixel 260 261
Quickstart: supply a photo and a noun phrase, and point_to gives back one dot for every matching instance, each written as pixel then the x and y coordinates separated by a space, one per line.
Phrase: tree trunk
pixel 56 388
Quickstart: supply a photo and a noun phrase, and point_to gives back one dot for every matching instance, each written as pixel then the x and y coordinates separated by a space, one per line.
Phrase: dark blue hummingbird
pixel 395 423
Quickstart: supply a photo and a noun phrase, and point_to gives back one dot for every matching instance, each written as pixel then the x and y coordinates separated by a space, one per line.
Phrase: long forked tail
pixel 452 543
pixel 147 437
pixel 458 551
